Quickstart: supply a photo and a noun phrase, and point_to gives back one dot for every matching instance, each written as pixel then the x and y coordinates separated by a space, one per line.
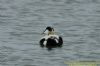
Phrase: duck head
pixel 49 30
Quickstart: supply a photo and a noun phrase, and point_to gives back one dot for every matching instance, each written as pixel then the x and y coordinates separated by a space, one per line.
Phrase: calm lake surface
pixel 22 22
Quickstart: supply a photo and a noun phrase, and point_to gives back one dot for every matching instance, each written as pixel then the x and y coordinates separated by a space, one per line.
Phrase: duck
pixel 50 39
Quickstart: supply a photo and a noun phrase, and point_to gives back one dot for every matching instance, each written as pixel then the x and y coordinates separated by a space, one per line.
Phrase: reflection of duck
pixel 50 39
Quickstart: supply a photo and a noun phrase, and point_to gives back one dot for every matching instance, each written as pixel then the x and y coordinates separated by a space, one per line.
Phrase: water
pixel 22 22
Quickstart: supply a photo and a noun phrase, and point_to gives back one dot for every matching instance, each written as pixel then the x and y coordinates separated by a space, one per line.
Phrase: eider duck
pixel 50 39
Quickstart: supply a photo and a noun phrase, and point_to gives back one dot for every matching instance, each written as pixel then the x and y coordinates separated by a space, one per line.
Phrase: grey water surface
pixel 22 22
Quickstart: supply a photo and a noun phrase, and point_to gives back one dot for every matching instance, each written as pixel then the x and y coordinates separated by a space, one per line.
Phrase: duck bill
pixel 45 32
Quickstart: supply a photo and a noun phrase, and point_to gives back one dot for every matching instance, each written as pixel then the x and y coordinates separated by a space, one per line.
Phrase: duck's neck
pixel 51 33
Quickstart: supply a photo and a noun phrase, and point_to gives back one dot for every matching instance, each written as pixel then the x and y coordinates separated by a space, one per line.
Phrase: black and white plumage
pixel 50 39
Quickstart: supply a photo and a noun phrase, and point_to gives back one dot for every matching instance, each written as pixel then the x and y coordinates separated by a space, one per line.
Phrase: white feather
pixel 56 40
pixel 45 42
